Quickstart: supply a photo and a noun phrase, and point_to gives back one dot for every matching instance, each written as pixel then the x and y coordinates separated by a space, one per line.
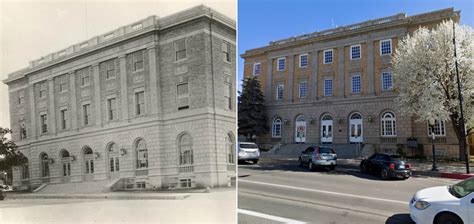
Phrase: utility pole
pixel 463 125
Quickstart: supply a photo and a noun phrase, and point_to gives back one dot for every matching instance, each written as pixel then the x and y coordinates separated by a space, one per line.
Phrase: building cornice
pixel 148 25
pixel 394 21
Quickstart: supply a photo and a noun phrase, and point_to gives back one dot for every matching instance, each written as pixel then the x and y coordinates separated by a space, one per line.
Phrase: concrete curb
pixel 98 196
pixel 459 176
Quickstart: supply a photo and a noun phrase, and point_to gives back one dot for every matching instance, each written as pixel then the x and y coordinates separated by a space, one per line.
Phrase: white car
pixel 248 151
pixel 445 204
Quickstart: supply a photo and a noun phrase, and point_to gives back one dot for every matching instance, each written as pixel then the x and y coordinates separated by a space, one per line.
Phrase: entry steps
pixel 76 187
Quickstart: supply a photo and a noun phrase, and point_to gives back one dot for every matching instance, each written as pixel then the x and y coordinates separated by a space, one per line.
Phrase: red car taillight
pixel 408 166
pixel 392 166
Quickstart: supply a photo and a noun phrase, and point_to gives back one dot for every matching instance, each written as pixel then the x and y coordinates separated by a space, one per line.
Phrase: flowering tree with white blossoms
pixel 425 76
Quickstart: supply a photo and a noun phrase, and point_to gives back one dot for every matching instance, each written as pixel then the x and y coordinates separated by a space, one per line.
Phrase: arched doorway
pixel 66 165
pixel 355 128
pixel 300 129
pixel 326 129
pixel 44 160
pixel 88 168
pixel 114 161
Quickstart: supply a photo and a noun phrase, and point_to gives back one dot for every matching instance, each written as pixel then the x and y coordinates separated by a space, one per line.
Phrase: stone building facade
pixel 336 87
pixel 148 105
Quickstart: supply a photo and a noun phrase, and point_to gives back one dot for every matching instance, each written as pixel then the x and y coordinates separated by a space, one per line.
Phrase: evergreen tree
pixel 9 156
pixel 251 113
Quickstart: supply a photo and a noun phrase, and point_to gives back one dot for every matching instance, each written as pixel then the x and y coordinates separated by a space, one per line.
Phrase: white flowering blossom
pixel 425 74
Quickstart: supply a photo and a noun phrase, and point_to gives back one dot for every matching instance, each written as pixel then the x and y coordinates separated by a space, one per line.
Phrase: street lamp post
pixel 434 166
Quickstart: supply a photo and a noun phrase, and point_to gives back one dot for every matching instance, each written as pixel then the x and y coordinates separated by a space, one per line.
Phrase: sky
pixel 266 20
pixel 32 29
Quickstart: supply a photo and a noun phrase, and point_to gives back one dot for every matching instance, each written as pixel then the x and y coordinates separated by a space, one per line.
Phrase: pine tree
pixel 9 156
pixel 252 118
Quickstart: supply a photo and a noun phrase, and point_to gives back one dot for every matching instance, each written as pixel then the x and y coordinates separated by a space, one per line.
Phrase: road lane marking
pixel 326 192
pixel 269 217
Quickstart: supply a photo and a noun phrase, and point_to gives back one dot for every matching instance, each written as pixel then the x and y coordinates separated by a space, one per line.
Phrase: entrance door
pixel 355 128
pixel 66 166
pixel 300 132
pixel 114 167
pixel 88 165
pixel 326 129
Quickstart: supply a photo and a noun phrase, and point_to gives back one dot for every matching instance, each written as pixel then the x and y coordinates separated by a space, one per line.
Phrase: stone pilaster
pixel 154 97
pixel 123 87
pixel 340 71
pixel 268 92
pixel 73 100
pixel 33 129
pixel 370 67
pixel 314 75
pixel 290 82
pixel 98 104
pixel 52 108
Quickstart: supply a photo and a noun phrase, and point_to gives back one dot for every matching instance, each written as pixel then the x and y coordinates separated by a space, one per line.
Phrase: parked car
pixel 318 156
pixel 248 151
pixel 444 204
pixel 387 166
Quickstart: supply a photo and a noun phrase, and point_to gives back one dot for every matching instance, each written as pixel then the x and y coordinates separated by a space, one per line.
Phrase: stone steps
pixel 76 187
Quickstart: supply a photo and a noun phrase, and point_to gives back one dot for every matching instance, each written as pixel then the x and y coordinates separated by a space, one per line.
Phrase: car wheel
pixel 255 161
pixel 363 168
pixel 384 174
pixel 333 167
pixel 310 166
pixel 448 218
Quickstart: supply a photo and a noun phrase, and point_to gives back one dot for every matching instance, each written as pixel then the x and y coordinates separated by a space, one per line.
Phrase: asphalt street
pixel 279 191
pixel 214 207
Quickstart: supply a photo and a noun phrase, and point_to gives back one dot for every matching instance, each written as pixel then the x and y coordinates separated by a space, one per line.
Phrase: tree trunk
pixel 459 134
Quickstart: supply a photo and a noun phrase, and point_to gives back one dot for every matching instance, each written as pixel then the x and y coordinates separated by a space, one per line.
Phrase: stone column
pixel 370 67
pixel 314 75
pixel 290 77
pixel 153 95
pixel 340 71
pixel 73 100
pixel 123 87
pixel 268 92
pixel 33 129
pixel 98 104
pixel 52 109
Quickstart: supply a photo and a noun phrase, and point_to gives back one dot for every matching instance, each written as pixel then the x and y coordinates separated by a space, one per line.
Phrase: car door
pixel 370 163
pixel 304 156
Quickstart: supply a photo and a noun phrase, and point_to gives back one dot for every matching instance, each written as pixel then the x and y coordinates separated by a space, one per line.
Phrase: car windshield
pixel 462 188
pixel 248 146
pixel 326 150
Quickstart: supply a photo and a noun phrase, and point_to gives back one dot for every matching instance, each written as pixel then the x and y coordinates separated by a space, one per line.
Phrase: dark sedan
pixel 387 166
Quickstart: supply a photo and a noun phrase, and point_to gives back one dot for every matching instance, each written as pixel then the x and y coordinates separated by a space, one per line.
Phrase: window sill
pixel 355 59
pixel 84 86
pixel 137 71
pixel 180 60
pixel 113 78
pixel 227 62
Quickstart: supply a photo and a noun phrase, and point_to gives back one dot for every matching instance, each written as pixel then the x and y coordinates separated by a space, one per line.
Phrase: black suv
pixel 387 166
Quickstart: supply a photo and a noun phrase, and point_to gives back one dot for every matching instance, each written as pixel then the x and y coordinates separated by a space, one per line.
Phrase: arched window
pixel 87 151
pixel 229 143
pixel 114 159
pixel 186 159
pixel 388 124
pixel 88 160
pixel 44 165
pixel 64 154
pixel 66 162
pixel 142 154
pixel 327 117
pixel 356 116
pixel 276 127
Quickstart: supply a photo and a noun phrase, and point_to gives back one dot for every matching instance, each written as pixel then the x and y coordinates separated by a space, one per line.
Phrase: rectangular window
pixel 279 95
pixel 140 103
pixel 110 69
pixel 86 110
pixel 303 60
pixel 226 51
pixel 138 61
pixel 180 49
pixel 303 89
pixel 62 82
pixel 112 108
pixel 21 97
pixel 385 47
pixel 64 119
pixel 438 128
pixel 22 130
pixel 355 83
pixel 328 56
pixel 84 75
pixel 281 64
pixel 256 69
pixel 328 87
pixel 183 96
pixel 42 90
pixel 137 26
pixel 228 95
pixel 355 52
pixel 44 123
pixel 387 81
pixel 25 171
